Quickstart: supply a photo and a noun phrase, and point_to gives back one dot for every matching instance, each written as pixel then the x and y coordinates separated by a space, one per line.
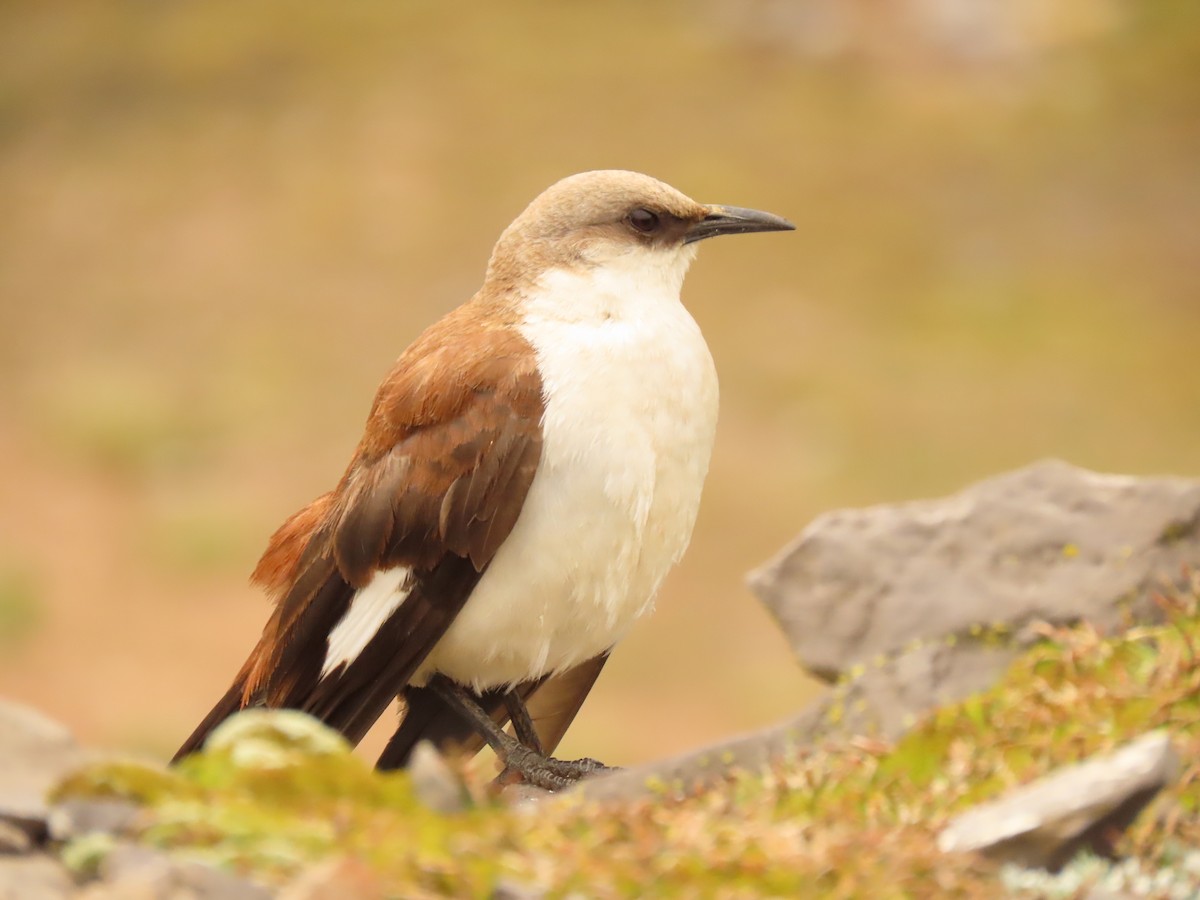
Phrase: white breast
pixel 631 409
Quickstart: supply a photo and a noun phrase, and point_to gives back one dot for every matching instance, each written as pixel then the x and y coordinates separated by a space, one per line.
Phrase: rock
pixel 34 877
pixel 843 711
pixel 887 697
pixel 433 781
pixel 522 796
pixel 335 879
pixel 35 753
pixel 507 889
pixel 882 700
pixel 130 872
pixel 14 839
pixel 76 817
pixel 679 775
pixel 1050 541
pixel 1045 823
pixel 923 603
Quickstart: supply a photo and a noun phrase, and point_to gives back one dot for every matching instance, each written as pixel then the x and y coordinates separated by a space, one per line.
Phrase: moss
pixel 134 781
pixel 84 855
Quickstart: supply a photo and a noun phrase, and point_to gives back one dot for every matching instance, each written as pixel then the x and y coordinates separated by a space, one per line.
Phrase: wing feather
pixel 451 447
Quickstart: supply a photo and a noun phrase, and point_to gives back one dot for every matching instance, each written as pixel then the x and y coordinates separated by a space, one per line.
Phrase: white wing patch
pixel 370 607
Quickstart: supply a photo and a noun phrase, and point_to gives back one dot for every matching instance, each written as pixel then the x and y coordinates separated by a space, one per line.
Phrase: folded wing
pixel 384 563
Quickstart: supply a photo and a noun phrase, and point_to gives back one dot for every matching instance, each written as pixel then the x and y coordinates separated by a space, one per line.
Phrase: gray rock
pixel 882 700
pixel 434 782
pixel 508 889
pixel 1045 823
pixel 14 839
pixel 127 860
pixel 1050 542
pixel 888 696
pixel 76 817
pixel 35 753
pixel 34 877
pixel 522 796
pixel 679 775
pixel 130 872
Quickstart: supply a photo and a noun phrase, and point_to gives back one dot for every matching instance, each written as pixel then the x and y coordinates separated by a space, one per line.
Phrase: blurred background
pixel 222 222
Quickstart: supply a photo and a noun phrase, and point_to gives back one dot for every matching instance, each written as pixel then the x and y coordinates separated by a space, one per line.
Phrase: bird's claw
pixel 546 772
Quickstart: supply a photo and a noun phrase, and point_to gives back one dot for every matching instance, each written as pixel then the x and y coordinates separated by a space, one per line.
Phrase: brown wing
pixel 438 481
pixel 552 703
pixel 555 703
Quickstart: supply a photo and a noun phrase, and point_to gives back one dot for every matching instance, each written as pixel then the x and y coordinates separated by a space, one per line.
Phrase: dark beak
pixel 735 220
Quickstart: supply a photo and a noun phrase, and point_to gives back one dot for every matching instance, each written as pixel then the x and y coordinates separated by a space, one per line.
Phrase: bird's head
pixel 615 217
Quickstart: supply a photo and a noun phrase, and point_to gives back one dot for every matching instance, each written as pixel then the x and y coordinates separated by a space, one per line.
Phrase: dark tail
pixel 428 718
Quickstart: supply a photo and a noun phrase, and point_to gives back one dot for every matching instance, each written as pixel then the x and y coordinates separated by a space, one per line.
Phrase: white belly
pixel 627 434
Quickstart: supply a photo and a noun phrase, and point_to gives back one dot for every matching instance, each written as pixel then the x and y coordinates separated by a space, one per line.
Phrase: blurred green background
pixel 222 221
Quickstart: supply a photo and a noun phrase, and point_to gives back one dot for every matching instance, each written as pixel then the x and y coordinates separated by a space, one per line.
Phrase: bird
pixel 530 470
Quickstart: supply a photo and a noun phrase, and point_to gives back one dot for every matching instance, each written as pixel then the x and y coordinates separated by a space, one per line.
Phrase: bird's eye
pixel 643 220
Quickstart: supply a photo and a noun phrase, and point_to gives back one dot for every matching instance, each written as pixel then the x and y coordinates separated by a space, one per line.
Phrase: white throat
pixel 629 286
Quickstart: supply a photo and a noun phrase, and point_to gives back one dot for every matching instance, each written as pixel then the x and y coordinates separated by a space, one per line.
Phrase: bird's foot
pixel 546 772
pixel 522 755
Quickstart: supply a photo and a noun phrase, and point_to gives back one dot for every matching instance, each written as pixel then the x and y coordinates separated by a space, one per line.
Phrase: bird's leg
pixel 522 723
pixel 536 768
